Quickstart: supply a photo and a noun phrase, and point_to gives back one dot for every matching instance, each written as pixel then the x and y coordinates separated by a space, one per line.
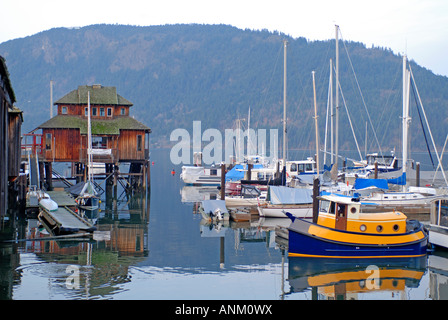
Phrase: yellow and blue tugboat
pixel 340 230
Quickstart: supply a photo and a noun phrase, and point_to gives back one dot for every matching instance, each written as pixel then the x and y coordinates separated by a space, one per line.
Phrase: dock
pixel 64 221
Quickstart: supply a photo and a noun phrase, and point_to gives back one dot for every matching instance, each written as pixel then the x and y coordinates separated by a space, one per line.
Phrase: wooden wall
pixel 14 144
pixel 3 153
pixel 127 145
pixel 64 146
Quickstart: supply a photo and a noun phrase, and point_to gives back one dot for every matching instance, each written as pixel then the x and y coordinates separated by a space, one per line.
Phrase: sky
pixel 417 28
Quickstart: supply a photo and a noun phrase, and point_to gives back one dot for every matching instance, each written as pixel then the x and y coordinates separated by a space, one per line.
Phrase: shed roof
pixel 99 95
pixel 99 127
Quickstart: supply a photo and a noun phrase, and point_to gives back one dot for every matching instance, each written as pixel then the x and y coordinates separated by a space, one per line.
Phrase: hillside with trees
pixel 176 74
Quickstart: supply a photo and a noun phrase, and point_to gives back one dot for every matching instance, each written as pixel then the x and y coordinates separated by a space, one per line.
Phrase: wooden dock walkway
pixel 64 220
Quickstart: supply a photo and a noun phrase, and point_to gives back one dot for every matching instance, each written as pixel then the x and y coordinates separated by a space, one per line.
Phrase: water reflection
pixel 332 279
pixel 173 254
pixel 98 266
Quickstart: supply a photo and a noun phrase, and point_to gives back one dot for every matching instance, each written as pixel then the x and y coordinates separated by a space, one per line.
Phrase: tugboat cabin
pixel 342 213
pixel 116 137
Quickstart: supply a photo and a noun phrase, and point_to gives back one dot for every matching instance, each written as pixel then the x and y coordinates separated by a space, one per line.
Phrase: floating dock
pixel 64 220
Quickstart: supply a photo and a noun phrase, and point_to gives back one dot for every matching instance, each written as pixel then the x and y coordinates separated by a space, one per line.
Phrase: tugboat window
pixel 396 227
pixel 379 228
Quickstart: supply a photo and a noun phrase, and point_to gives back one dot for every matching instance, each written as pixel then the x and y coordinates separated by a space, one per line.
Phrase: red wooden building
pixel 116 136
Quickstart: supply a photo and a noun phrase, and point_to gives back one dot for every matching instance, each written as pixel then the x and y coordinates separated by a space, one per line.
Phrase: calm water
pixel 158 248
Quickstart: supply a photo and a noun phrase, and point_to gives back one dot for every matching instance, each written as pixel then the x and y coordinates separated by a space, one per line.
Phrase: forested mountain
pixel 176 74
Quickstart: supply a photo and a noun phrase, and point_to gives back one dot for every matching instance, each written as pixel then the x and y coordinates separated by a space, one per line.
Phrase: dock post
pixel 49 175
pixel 223 181
pixel 115 181
pixel 417 172
pixel 376 170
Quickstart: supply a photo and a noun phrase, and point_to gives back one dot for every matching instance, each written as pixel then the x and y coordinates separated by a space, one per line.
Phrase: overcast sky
pixel 418 28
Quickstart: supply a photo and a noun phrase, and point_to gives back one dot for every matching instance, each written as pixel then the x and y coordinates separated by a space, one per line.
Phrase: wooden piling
pixel 315 200
pixel 223 181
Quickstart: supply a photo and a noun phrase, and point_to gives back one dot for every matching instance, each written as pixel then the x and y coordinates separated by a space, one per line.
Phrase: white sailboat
pixel 87 198
pixel 407 201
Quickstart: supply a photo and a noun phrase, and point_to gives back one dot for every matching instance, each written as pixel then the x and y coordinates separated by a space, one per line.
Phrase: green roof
pixel 98 95
pixel 99 127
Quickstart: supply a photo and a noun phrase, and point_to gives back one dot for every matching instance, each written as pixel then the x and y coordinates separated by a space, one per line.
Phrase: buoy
pixel 173 172
pixel 153 163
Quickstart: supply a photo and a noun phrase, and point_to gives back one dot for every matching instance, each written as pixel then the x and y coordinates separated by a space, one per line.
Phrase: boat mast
pixel 406 119
pixel 337 99
pixel 315 124
pixel 89 139
pixel 285 44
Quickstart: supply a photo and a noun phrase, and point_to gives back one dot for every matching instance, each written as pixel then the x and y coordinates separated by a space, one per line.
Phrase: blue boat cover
pixel 237 172
pixel 287 195
pixel 401 180
pixel 366 183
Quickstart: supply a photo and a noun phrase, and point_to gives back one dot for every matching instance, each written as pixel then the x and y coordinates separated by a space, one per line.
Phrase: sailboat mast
pixel 89 139
pixel 406 119
pixel 285 44
pixel 337 99
pixel 315 124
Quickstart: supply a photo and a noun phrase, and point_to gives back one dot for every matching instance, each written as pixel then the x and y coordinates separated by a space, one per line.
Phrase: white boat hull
pixel 48 204
pixel 278 211
pixel 201 175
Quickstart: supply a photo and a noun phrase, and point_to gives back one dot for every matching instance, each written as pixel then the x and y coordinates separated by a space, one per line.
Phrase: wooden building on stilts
pixel 116 136
pixel 11 118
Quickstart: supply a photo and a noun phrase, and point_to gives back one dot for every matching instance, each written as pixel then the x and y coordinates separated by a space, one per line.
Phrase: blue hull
pixel 302 244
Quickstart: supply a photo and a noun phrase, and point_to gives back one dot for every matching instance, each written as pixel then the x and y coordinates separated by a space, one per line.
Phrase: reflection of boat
pixel 214 210
pixel 341 230
pixel 348 278
pixel 280 199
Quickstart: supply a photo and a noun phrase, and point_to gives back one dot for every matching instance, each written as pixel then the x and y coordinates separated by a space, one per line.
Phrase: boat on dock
pixel 48 203
pixel 280 199
pixel 341 230
pixel 250 196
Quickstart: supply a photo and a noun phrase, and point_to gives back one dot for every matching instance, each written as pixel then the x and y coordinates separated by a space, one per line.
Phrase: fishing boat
pixel 341 230
pixel 280 199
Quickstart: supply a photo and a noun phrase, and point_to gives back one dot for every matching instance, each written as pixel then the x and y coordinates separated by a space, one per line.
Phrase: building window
pixel 94 112
pixel 101 112
pixel 123 111
pixel 86 111
pixel 139 142
pixel 64 110
pixel 109 112
pixel 48 141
